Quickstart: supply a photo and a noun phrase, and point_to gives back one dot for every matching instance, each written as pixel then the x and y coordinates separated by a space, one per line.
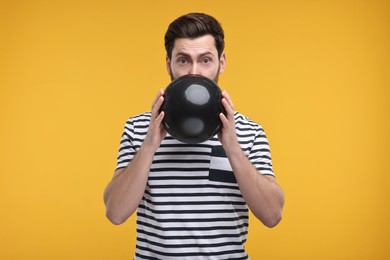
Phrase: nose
pixel 194 70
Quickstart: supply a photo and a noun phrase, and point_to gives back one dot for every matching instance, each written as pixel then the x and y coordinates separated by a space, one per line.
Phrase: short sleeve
pixel 126 148
pixel 260 154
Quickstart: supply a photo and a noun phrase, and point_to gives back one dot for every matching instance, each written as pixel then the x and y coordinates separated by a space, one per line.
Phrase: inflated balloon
pixel 192 106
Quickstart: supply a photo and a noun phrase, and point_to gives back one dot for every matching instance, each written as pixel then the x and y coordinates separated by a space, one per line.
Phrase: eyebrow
pixel 188 55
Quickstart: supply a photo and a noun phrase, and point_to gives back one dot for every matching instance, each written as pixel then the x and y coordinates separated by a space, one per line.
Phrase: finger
pixel 228 108
pixel 227 97
pixel 159 120
pixel 159 94
pixel 157 105
pixel 160 117
pixel 223 119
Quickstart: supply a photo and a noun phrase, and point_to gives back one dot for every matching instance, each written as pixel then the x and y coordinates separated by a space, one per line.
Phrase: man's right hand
pixel 156 132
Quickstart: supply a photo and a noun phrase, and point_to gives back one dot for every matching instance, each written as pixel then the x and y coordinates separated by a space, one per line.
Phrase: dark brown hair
pixel 191 26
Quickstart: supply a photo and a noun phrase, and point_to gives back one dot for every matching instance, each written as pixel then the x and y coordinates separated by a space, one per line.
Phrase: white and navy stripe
pixel 192 207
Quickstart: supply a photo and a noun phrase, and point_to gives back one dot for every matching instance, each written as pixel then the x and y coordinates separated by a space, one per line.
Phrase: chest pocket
pixel 220 169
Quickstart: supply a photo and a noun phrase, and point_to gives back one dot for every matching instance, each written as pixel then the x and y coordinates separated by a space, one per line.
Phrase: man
pixel 192 199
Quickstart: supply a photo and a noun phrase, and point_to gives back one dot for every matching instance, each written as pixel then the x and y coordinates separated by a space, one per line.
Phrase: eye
pixel 206 60
pixel 182 61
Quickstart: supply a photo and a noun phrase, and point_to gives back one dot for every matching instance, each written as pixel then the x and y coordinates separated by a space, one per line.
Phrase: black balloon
pixel 192 106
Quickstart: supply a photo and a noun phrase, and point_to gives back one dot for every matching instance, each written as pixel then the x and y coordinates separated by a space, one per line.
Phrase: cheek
pixel 175 71
pixel 212 73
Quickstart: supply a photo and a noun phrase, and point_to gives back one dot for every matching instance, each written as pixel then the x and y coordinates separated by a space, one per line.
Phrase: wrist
pixel 233 149
pixel 148 148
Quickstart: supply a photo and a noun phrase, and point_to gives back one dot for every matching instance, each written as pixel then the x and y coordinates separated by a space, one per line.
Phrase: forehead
pixel 198 45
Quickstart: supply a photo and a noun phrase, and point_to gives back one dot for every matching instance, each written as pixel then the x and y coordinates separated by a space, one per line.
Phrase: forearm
pixel 127 187
pixel 262 194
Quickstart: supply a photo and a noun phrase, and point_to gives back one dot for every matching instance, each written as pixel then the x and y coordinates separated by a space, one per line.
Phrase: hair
pixel 194 25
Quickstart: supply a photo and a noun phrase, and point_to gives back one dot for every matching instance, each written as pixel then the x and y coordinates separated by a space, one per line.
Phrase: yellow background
pixel 315 74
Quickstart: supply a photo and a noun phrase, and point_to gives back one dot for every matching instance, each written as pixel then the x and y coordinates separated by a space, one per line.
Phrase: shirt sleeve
pixel 260 154
pixel 126 147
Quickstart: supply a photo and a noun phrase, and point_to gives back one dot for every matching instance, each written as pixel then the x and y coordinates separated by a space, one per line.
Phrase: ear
pixel 168 65
pixel 222 63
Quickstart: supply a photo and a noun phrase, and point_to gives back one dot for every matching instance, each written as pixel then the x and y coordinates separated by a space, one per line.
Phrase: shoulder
pixel 140 119
pixel 136 127
pixel 245 123
pixel 137 122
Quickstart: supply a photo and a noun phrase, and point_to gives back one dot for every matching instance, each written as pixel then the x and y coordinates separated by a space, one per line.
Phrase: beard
pixel 215 78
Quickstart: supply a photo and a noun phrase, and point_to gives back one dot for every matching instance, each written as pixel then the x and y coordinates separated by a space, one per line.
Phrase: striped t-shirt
pixel 192 207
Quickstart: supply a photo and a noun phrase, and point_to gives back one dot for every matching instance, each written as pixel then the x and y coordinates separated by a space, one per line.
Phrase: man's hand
pixel 156 132
pixel 227 135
